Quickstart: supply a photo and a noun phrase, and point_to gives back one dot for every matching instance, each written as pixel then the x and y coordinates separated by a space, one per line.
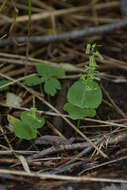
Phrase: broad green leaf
pixel 47 71
pixel 78 113
pixel 33 81
pixel 83 95
pixel 24 131
pixel 51 86
pixel 2 83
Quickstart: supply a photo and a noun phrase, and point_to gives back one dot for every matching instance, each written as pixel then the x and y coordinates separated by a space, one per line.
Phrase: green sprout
pixel 85 95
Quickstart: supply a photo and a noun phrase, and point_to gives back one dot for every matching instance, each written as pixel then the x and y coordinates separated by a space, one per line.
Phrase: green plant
pixel 49 76
pixel 85 95
pixel 26 127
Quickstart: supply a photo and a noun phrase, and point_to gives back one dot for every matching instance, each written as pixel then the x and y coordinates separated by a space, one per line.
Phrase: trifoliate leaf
pixel 47 71
pixel 85 95
pixel 26 128
pixel 2 83
pixel 33 81
pixel 78 113
pixel 51 86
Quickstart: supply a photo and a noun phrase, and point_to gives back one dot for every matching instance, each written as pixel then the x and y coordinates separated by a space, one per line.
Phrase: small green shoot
pixel 85 95
pixel 49 75
pixel 26 127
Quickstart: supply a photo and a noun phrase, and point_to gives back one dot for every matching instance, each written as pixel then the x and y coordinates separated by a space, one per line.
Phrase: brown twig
pixel 60 148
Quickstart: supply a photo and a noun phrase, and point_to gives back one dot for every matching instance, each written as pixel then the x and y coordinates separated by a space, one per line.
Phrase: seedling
pixel 49 76
pixel 26 127
pixel 85 95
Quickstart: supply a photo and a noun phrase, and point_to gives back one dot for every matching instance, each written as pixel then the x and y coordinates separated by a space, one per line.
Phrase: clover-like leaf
pixel 26 128
pixel 33 81
pixel 85 95
pixel 79 113
pixel 51 86
pixel 2 83
pixel 47 71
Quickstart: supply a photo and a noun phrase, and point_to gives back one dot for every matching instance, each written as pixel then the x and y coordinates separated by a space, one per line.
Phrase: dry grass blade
pixel 61 177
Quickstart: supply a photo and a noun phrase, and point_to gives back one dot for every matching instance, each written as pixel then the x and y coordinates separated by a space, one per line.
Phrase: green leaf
pixel 31 120
pixel 85 94
pixel 26 128
pixel 33 81
pixel 2 83
pixel 47 71
pixel 51 86
pixel 24 131
pixel 78 113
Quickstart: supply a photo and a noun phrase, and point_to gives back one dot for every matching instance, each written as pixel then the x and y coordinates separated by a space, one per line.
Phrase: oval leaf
pixel 84 96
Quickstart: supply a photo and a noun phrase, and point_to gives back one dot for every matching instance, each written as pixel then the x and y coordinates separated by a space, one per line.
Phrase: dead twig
pixel 64 167
pixel 60 148
pixel 85 32
pixel 53 140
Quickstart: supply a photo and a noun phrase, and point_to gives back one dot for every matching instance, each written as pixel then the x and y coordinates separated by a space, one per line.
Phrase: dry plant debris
pixel 54 34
